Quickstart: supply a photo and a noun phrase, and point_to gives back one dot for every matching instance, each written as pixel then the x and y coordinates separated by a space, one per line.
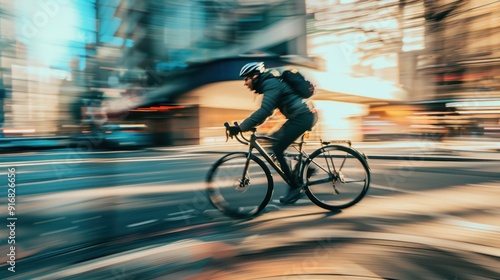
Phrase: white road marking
pixel 142 223
pixel 48 221
pixel 88 219
pixel 58 231
pixel 179 218
pixel 181 213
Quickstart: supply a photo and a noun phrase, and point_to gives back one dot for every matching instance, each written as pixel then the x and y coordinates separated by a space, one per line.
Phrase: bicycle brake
pixel 227 131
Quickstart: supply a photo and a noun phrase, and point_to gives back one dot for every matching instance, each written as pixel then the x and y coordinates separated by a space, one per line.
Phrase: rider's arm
pixel 269 103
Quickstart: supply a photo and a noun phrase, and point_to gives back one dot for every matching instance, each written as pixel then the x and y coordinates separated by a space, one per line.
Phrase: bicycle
pixel 240 184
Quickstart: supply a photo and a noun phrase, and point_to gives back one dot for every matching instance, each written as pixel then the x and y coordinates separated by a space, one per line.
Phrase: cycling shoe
pixel 292 196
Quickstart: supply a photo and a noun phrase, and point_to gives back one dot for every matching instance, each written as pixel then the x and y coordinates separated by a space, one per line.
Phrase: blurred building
pixel 175 53
pixel 457 74
pixel 215 38
pixel 182 50
pixel 41 41
pixel 444 54
pixel 183 57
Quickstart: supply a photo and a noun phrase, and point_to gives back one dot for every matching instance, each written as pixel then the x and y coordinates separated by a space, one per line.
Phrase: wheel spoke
pixel 320 181
pixel 239 195
pixel 329 187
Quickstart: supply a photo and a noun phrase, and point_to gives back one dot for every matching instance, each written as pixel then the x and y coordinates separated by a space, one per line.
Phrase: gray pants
pixel 289 132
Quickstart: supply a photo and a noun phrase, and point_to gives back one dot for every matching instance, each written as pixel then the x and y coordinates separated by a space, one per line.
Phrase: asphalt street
pixel 144 215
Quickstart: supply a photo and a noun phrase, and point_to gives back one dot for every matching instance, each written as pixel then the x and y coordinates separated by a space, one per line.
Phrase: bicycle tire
pixel 224 189
pixel 338 168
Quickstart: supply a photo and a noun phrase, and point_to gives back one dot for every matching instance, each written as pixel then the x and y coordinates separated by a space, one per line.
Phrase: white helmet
pixel 252 67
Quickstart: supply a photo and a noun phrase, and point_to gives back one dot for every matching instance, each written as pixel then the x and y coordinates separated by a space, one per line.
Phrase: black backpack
pixel 298 83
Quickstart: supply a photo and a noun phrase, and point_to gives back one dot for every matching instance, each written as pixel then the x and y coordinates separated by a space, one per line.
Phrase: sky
pixel 55 31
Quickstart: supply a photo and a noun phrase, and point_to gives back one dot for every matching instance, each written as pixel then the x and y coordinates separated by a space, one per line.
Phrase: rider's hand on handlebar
pixel 233 130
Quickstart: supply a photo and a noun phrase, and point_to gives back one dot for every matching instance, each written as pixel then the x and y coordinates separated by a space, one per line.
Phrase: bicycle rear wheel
pixel 236 195
pixel 340 179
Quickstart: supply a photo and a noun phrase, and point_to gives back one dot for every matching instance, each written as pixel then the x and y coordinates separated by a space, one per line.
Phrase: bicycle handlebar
pixel 242 139
pixel 245 141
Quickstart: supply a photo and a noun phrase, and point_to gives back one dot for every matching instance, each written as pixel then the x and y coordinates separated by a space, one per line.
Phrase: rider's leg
pixel 287 134
pixel 291 130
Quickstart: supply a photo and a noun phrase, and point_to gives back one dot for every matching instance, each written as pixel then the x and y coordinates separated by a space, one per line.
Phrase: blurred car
pixel 113 136
pixel 127 135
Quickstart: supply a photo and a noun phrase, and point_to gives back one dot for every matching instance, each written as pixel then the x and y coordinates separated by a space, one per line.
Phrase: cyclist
pixel 300 114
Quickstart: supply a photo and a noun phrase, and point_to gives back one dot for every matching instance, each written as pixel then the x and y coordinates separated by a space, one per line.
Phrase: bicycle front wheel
pixel 336 177
pixel 237 189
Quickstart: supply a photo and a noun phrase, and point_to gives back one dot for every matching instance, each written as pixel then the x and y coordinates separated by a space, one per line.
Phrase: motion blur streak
pixel 112 113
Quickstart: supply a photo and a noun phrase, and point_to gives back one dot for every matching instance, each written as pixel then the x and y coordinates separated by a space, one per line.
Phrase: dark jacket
pixel 277 95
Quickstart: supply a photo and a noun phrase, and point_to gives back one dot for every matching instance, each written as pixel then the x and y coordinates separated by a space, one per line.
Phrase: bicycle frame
pixel 253 143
